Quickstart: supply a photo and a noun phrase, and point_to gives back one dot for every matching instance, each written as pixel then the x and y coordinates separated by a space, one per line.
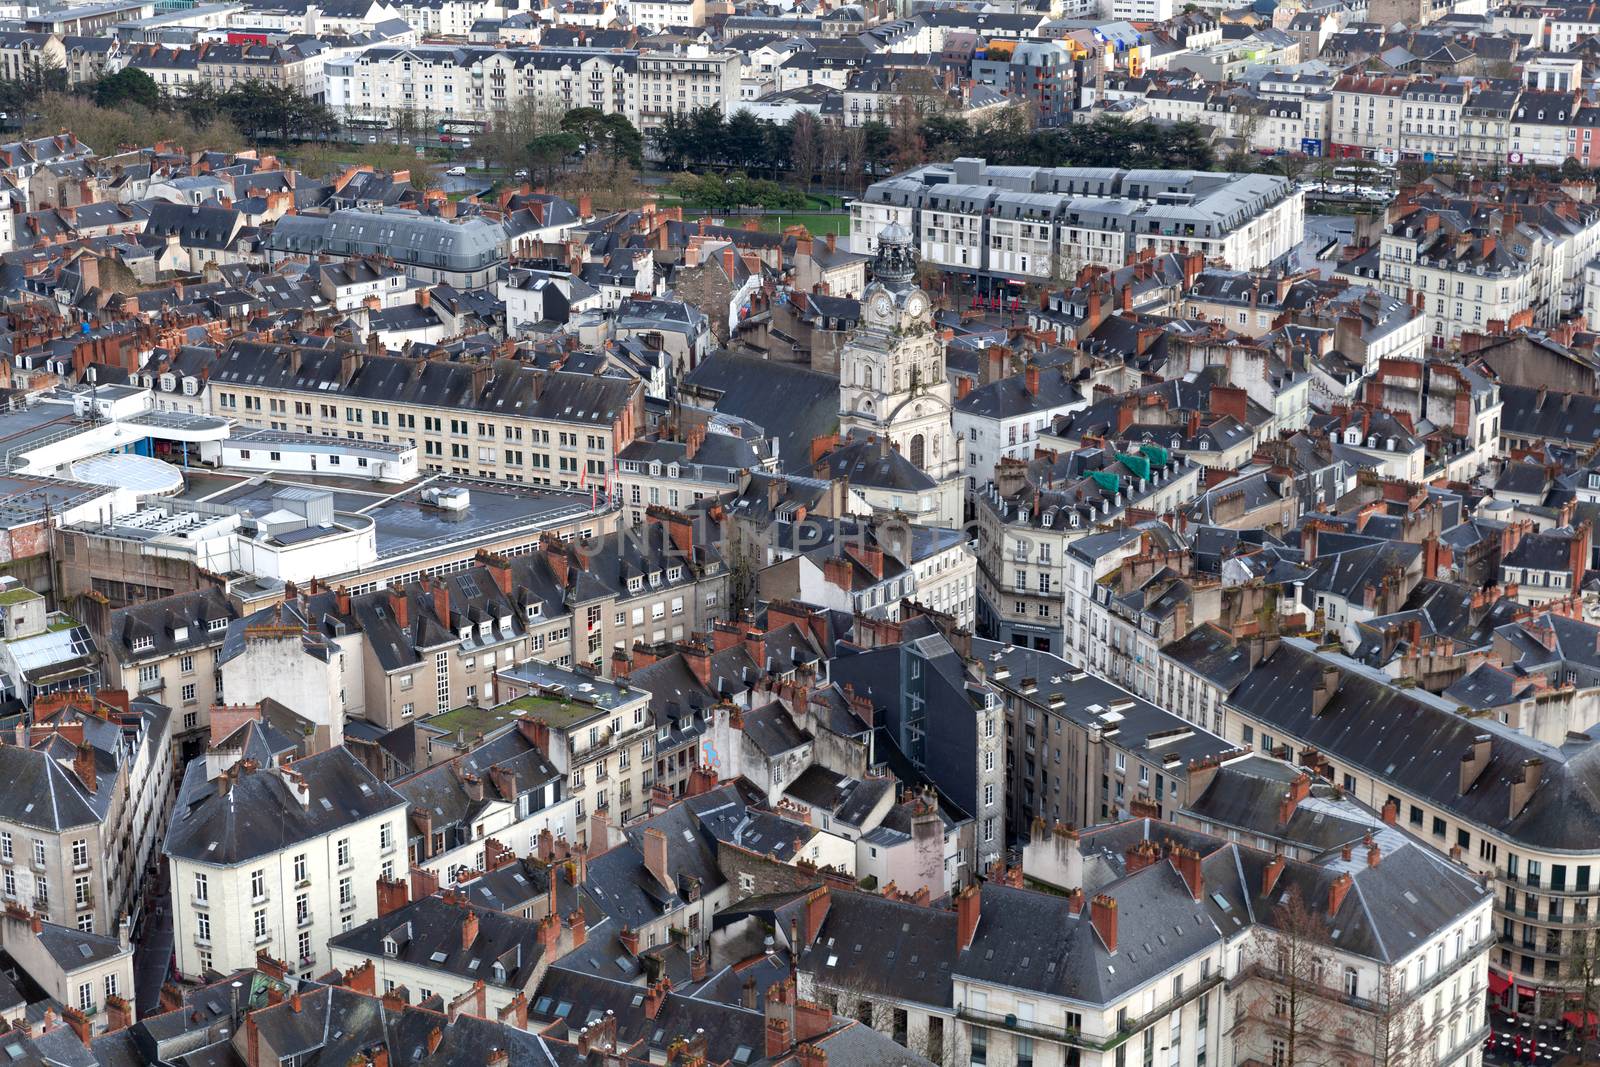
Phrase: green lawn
pixel 817 224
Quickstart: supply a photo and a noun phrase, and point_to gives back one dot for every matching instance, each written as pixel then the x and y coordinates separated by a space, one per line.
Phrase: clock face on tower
pixel 882 305
pixel 916 305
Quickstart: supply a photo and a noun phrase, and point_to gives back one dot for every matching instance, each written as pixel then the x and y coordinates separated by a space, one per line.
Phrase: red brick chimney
pixel 778 1038
pixel 1030 378
pixel 1337 891
pixel 655 859
pixel 1187 860
pixel 441 602
pixel 811 1020
pixel 1103 913
pixel 393 894
pixel 399 607
pixel 697 657
pixel 968 905
pixel 469 929
pixel 816 912
pixel 1578 553
pixel 1298 790
pixel 1270 875
pixel 83 767
pixel 654 996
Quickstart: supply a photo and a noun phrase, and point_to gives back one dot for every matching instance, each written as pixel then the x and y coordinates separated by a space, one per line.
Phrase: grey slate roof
pixel 259 814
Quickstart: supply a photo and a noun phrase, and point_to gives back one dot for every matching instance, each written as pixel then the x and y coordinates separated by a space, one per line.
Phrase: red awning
pixel 1498 984
pixel 1577 1018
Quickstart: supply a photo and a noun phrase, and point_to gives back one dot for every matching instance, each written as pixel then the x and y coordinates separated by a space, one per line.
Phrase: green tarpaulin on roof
pixel 1106 480
pixel 1156 454
pixel 1139 465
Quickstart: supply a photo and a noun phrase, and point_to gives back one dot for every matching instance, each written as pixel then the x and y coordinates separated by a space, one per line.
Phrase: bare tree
pixel 1290 997
pixel 805 147
pixel 1582 964
pixel 905 125
pixel 848 146
pixel 1400 1034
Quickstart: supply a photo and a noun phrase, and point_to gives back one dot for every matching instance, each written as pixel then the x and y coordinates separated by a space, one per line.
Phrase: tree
pixel 512 129
pixel 945 135
pixel 42 73
pixel 1400 1035
pixel 130 85
pixel 805 146
pixel 877 144
pixel 906 146
pixel 547 154
pixel 1582 966
pixel 1288 996
pixel 261 107
pixel 708 136
pixel 1290 166
pixel 612 136
pixel 671 141
pixel 744 141
pixel 848 145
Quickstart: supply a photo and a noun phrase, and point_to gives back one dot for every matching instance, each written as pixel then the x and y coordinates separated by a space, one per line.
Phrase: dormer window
pixel 674 574
pixel 535 610
pixel 216 625
pixel 180 633
pixel 191 386
pixel 143 643
pixel 655 578
pixel 168 383
pixel 390 949
pixel 635 584
pixel 465 633
pixel 499 971
pixel 483 629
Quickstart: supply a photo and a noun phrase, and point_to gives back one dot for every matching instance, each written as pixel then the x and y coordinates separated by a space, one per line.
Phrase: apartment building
pixel 661 470
pixel 681 81
pixel 25 54
pixel 488 419
pixel 1500 809
pixel 88 973
pixel 443 946
pixel 465 252
pixel 1004 419
pixel 1544 128
pixel 601 735
pixel 1034 518
pixel 1217 917
pixel 431 82
pixel 501 793
pixel 278 859
pixel 1486 126
pixel 60 829
pixel 1064 762
pixel 665 14
pixel 1043 223
pixel 167 650
pixel 1462 281
pixel 1431 115
pixel 1366 118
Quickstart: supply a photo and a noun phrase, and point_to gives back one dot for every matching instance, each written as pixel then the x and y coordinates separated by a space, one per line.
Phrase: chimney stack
pixel 968 903
pixel 1103 914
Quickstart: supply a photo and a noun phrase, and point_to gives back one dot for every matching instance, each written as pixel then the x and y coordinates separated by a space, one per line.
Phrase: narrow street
pixel 152 951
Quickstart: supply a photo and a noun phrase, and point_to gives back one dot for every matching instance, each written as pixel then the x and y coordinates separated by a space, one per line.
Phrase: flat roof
pixel 404 523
